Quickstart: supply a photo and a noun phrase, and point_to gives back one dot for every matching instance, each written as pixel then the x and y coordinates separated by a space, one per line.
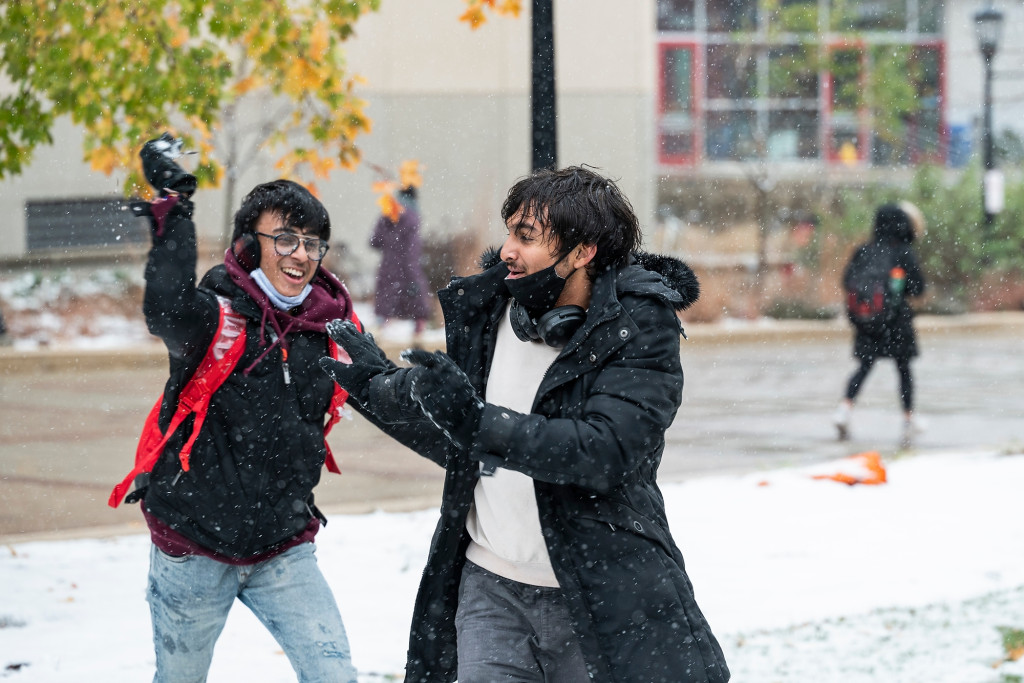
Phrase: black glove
pixel 445 395
pixel 368 360
pixel 162 172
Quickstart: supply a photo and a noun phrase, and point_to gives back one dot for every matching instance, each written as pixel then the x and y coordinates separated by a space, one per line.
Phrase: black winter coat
pixel 592 445
pixel 261 449
pixel 896 339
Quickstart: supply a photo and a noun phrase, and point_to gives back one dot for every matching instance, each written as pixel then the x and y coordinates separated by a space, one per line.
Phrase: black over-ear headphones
pixel 247 251
pixel 554 328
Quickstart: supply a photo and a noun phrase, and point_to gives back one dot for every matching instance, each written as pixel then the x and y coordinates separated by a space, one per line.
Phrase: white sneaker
pixel 841 419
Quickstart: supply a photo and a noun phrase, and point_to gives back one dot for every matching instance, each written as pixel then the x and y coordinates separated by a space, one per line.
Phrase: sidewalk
pixel 758 395
pixel 13 361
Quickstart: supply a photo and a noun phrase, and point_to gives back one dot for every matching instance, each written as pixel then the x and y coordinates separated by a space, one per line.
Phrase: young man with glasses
pixel 231 514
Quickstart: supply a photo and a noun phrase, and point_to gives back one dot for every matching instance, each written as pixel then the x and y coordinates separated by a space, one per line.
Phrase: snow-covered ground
pixel 802 580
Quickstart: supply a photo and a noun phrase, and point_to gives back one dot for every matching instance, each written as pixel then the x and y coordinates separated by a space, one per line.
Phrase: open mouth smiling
pixel 293 273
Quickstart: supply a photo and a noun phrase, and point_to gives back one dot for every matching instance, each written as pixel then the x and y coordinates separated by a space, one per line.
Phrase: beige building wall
pixel 455 99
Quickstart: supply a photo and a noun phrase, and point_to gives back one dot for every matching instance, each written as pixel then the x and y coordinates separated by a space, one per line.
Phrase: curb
pixel 154 356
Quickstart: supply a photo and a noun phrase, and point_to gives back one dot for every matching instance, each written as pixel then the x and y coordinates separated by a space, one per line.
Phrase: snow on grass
pixel 802 581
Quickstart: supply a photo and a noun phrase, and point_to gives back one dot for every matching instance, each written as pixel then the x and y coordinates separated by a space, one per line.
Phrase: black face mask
pixel 537 292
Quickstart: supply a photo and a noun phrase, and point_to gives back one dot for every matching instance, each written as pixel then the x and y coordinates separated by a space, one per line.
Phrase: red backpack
pixel 220 360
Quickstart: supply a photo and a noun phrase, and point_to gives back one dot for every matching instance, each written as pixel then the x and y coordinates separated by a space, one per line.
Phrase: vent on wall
pixel 100 222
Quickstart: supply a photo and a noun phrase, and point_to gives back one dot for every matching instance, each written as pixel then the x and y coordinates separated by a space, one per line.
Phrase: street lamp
pixel 542 94
pixel 988 24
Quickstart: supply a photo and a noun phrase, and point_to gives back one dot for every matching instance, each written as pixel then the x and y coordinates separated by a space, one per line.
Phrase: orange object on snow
pixel 862 468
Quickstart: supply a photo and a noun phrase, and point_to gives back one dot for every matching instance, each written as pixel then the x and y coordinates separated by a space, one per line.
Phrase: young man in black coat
pixel 234 518
pixel 896 227
pixel 552 559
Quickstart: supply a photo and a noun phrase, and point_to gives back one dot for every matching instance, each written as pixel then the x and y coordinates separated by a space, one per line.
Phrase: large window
pixel 755 79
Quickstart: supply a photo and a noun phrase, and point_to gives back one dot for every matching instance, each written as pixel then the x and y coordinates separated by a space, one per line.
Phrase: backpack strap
pixel 220 360
pixel 337 399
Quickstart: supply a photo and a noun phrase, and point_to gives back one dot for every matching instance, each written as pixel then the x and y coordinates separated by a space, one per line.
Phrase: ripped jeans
pixel 189 599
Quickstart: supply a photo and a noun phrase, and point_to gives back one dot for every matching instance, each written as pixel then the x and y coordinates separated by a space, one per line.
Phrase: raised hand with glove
pixel 371 379
pixel 170 180
pixel 445 394
pixel 162 171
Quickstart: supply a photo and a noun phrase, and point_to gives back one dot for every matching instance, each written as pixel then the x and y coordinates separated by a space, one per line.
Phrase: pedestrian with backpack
pixel 878 279
pixel 231 453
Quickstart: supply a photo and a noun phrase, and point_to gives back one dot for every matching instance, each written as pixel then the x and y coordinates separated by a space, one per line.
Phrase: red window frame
pixel 696 78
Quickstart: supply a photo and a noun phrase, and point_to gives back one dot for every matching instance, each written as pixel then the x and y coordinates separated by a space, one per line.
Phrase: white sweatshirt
pixel 503 522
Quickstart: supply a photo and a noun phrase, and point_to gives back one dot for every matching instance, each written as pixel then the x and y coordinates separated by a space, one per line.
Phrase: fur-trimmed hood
pixel 673 272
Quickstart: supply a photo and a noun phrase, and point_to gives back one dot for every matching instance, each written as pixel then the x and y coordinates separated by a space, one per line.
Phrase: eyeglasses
pixel 286 243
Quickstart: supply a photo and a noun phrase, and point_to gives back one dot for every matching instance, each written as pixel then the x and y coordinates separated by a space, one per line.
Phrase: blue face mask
pixel 277 298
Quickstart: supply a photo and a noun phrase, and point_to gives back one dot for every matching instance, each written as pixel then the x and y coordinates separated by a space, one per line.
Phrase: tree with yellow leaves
pixel 125 70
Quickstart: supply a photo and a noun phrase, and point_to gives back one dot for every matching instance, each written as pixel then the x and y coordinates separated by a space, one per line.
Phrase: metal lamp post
pixel 988 24
pixel 545 145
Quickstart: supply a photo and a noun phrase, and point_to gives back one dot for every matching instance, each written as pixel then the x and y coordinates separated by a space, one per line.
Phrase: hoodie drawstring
pixel 277 336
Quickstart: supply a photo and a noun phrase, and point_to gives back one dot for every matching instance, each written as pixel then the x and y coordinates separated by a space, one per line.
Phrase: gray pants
pixel 511 631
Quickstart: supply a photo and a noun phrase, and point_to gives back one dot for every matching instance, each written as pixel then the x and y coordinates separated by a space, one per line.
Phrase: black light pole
pixel 542 102
pixel 988 24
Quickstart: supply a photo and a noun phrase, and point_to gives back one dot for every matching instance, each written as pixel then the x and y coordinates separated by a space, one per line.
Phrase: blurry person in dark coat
pixel 401 290
pixel 896 227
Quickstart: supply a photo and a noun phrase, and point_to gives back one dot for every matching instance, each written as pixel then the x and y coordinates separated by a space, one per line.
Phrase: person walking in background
pixel 227 495
pixel 401 290
pixel 878 279
pixel 552 559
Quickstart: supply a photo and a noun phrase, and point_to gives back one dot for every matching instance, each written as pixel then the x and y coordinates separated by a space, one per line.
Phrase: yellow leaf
pixel 246 84
pixel 285 164
pixel 513 7
pixel 383 187
pixel 409 174
pixel 390 207
pixel 322 166
pixel 180 37
pixel 301 77
pixel 319 41
pixel 474 16
pixel 103 159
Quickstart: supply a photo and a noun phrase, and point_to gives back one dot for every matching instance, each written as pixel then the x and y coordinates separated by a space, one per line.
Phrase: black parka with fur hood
pixel 592 444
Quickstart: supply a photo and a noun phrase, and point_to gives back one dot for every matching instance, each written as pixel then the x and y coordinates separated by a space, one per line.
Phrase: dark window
pixel 676 15
pixel 929 16
pixel 93 222
pixel 730 135
pixel 869 15
pixel 732 72
pixel 793 72
pixel 793 134
pixel 728 16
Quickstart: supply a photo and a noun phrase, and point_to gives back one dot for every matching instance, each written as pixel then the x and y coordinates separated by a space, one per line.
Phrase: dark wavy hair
pixel 578 206
pixel 297 206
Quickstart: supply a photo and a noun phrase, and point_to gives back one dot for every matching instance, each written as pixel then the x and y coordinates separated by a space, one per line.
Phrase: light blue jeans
pixel 511 631
pixel 189 599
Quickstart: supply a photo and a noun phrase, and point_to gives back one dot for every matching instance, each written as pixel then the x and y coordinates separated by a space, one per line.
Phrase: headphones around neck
pixel 554 328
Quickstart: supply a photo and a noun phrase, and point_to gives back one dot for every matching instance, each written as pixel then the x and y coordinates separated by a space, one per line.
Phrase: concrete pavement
pixel 758 395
